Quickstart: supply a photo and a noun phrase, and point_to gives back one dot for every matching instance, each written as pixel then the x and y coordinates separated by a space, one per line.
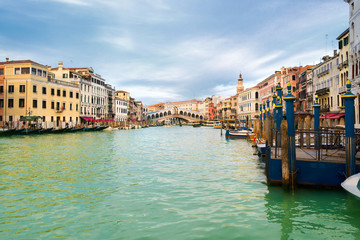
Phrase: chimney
pixel 7 59
pixel 335 52
pixel 60 65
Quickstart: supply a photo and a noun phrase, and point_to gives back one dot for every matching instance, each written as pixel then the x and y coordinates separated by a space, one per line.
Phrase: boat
pixel 7 132
pixel 196 125
pixel 217 124
pixel 90 129
pixel 100 128
pixel 29 131
pixel 45 130
pixel 209 124
pixel 237 134
pixel 77 129
pixel 59 130
pixel 352 185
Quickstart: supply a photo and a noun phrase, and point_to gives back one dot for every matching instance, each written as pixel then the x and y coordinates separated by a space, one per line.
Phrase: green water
pixel 156 183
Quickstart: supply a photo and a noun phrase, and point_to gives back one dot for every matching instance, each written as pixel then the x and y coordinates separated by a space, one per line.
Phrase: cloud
pixel 74 2
pixel 125 43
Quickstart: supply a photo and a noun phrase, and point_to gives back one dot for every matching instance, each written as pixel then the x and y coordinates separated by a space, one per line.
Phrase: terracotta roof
pixel 22 61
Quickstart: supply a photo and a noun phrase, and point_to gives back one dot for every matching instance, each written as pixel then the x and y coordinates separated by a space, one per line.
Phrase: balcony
pixel 340 66
pixel 310 93
pixel 322 91
pixel 346 63
pixel 342 89
pixel 325 108
pixel 323 73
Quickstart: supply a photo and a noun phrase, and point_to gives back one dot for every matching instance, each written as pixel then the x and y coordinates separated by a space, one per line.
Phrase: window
pixel 1 88
pixel 64 119
pixel 77 107
pixel 34 88
pixel 10 103
pixel 1 103
pixel 63 106
pixel 52 118
pixel 65 75
pixel 44 104
pixel 10 118
pixel 17 71
pixel 77 95
pixel 58 92
pixel 64 93
pixel 11 88
pixel 22 88
pixel 293 77
pixel 33 71
pixel 43 90
pixel 44 74
pixel 346 41
pixel 21 103
pixel 34 103
pixel 52 92
pixel 39 72
pixel 340 44
pixel 52 104
pixel 71 94
pixel 1 71
pixel 70 107
pixel 25 70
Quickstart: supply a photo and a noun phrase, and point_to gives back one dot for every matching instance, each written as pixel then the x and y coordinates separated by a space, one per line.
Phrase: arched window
pixel 169 112
pixel 256 95
pixel 256 106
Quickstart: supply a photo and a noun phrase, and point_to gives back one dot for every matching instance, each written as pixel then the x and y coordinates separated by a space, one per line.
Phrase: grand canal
pixel 156 183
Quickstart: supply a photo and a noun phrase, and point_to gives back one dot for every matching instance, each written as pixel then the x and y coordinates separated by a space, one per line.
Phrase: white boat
pixel 217 124
pixel 352 185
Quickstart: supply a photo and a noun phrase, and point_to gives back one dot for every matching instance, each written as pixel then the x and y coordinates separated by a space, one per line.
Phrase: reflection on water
pixel 156 183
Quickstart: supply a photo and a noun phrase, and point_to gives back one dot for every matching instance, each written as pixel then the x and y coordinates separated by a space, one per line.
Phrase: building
pixel 302 88
pixel 29 89
pixel 2 76
pixel 110 102
pixel 156 107
pixel 120 110
pixel 326 84
pixel 248 104
pixel 354 52
pixel 226 108
pixel 92 89
pixel 191 105
pixel 343 41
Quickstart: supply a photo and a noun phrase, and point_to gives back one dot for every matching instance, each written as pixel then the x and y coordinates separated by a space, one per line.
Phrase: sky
pixel 173 50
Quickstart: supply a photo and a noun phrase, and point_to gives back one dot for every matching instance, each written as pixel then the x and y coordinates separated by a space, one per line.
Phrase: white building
pixel 121 110
pixel 248 104
pixel 354 51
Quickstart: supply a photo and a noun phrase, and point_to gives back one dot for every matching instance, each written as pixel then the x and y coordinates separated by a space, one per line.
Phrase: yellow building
pixel 343 66
pixel 226 108
pixel 123 95
pixel 30 90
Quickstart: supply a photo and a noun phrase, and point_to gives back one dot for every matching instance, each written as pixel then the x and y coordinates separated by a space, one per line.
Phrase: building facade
pixel 29 89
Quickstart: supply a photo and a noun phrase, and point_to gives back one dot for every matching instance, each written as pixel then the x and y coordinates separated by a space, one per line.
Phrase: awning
pixel 328 115
pixel 30 118
pixel 88 119
pixel 337 116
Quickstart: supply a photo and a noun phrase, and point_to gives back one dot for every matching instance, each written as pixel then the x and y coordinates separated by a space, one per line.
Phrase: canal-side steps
pixel 310 155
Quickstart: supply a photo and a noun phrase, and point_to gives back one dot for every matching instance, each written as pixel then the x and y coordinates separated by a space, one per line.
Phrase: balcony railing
pixel 59 110
pixel 323 73
pixel 322 91
pixel 342 89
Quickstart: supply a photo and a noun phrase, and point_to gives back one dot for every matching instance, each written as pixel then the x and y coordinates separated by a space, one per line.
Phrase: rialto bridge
pixel 171 113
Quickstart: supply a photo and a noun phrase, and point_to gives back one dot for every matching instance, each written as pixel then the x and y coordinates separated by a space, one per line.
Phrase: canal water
pixel 156 183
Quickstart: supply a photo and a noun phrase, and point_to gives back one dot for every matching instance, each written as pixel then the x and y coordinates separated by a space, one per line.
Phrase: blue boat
pixel 352 185
pixel 7 132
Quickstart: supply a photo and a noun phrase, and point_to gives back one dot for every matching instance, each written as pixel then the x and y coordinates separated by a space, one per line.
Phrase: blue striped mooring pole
pixel 349 130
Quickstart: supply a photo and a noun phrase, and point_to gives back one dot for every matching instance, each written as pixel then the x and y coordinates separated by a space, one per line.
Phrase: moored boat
pixel 242 134
pixel 196 125
pixel 7 132
pixel 217 124
pixel 352 185
pixel 46 130
pixel 29 131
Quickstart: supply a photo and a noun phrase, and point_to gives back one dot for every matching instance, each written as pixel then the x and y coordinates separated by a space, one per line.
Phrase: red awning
pixel 337 116
pixel 328 115
pixel 88 119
